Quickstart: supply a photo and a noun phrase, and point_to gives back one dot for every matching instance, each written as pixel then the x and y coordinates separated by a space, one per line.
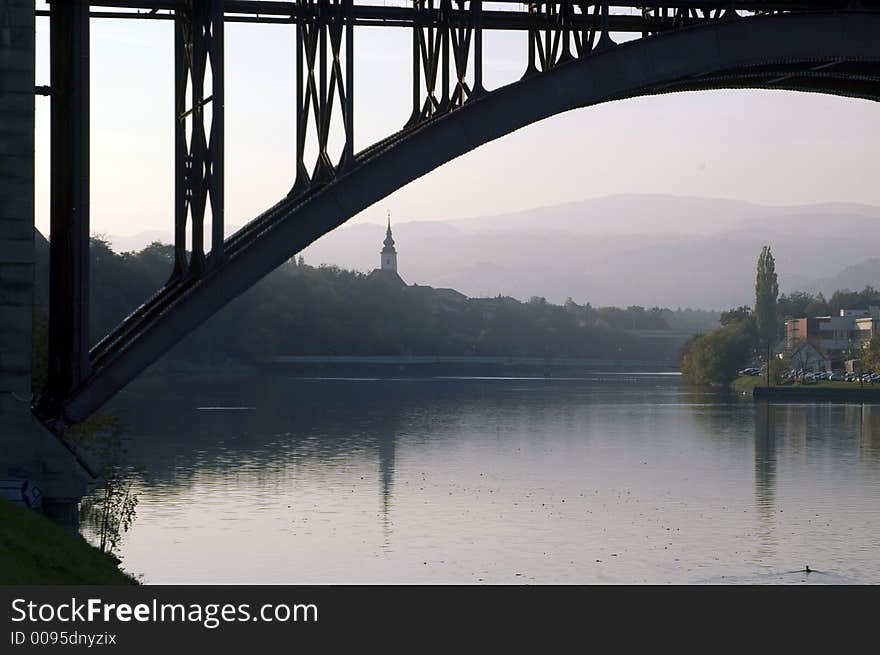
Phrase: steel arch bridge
pixel 828 47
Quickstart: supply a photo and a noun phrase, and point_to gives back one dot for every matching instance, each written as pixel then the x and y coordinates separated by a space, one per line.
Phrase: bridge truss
pixel 573 60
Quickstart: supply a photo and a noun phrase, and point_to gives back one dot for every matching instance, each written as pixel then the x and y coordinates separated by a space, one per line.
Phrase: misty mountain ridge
pixel 644 250
pixel 655 213
pixel 854 278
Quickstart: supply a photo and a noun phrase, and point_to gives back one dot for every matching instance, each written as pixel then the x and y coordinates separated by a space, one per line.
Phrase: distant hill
pixel 618 250
pixel 678 252
pixel 662 214
pixel 854 278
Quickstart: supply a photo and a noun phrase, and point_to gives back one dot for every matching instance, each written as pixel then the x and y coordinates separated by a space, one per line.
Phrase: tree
pixel 871 355
pixel 715 358
pixel 801 304
pixel 112 512
pixel 736 314
pixel 766 293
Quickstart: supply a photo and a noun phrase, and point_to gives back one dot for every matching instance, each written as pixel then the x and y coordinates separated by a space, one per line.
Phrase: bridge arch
pixel 836 54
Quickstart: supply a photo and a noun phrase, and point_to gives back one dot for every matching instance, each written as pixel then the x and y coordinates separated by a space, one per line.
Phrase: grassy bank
pixel 745 384
pixel 33 550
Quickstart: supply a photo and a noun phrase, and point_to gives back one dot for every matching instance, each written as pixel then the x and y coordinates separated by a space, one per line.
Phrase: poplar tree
pixel 766 293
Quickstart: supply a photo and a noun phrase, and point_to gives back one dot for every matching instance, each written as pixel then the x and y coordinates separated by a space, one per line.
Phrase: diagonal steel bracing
pixel 447 44
pixel 324 40
pixel 198 134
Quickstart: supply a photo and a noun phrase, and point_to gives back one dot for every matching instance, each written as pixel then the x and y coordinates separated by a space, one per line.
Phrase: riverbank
pixel 745 384
pixel 436 366
pixel 33 550
pixel 820 391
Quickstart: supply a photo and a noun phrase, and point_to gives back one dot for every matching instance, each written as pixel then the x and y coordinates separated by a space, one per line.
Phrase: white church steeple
pixel 389 254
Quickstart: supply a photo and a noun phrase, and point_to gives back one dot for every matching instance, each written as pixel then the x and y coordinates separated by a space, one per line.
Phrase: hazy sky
pixel 770 147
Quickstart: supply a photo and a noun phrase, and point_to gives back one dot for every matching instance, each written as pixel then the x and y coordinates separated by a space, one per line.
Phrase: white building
pixel 806 356
pixel 851 329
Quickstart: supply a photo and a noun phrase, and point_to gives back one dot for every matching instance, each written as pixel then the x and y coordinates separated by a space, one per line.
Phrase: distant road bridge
pixel 573 61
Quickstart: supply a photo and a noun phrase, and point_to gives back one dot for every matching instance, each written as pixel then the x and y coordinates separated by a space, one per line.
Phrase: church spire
pixel 389 254
pixel 389 240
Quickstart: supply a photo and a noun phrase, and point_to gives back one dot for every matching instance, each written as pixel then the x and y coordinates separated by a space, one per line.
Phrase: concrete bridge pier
pixel 28 451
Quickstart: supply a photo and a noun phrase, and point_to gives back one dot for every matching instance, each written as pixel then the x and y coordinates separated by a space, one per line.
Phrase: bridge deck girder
pixel 620 13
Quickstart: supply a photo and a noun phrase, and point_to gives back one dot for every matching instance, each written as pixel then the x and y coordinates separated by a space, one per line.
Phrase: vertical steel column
pixel 181 147
pixel 416 65
pixel 430 60
pixel 198 146
pixel 216 143
pixel 478 48
pixel 566 16
pixel 534 11
pixel 605 40
pixel 69 206
pixel 445 25
pixel 548 59
pixel 302 181
pixel 348 154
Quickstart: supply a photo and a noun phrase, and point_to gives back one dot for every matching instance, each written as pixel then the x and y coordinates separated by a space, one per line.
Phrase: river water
pixel 610 478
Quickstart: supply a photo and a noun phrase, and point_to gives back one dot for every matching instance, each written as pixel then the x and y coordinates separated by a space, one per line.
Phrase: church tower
pixel 389 254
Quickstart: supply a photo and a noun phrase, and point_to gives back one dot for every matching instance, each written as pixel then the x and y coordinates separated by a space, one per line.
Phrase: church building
pixel 389 254
pixel 448 299
pixel 388 262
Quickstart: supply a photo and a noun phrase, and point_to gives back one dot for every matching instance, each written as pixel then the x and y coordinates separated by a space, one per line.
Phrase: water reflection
pixel 765 479
pixel 606 479
pixel 386 476
pixel 869 433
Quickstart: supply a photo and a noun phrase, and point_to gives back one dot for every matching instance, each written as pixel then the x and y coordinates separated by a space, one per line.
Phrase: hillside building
pixel 833 336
